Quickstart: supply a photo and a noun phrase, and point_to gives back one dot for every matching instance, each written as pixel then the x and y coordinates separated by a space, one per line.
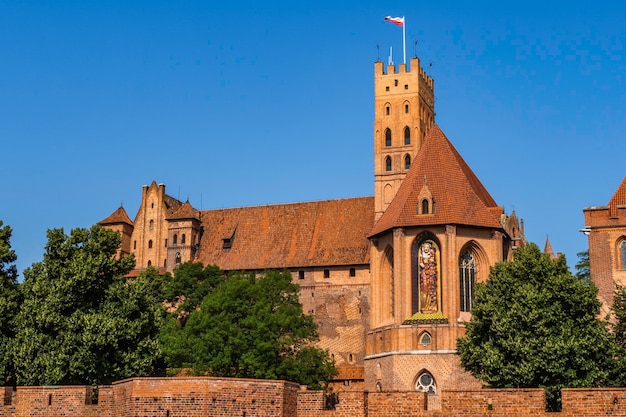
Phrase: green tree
pixel 250 327
pixel 10 301
pixel 583 271
pixel 535 325
pixel 81 321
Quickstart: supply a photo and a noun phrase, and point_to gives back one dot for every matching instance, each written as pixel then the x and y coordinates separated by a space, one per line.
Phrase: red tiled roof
pixel 184 212
pixel 459 196
pixel 618 199
pixel 319 233
pixel 118 216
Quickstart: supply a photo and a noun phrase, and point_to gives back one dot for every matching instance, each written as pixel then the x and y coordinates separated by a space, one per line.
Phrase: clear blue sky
pixel 237 103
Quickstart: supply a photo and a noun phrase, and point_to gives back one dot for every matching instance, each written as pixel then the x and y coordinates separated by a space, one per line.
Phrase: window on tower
pixel 407 135
pixel 407 162
pixel 182 239
pixel 387 164
pixel 387 137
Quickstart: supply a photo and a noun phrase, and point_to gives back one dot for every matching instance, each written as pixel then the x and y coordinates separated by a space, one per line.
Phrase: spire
pixel 547 249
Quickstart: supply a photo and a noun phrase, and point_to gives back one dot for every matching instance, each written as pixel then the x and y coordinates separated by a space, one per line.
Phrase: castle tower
pixel 183 235
pixel 149 238
pixel 403 113
pixel 120 222
pixel 438 237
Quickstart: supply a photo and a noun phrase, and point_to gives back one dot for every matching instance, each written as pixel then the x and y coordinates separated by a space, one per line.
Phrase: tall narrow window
pixel 387 137
pixel 622 250
pixel 467 271
pixel 150 244
pixel 175 240
pixel 424 206
pixel 387 164
pixel 407 162
pixel 182 239
pixel 151 224
pixel 177 259
pixel 407 135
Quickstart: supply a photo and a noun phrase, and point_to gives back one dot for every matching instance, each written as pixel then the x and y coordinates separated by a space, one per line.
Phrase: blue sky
pixel 249 103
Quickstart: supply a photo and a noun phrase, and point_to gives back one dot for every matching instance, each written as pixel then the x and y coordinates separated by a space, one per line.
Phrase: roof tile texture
pixel 330 232
pixel 459 196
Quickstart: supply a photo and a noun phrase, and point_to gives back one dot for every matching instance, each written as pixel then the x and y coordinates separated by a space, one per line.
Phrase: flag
pixel 399 21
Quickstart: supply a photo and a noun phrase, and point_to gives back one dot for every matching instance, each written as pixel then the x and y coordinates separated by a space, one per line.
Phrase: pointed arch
pixel 425 382
pixel 471 265
pixel 407 162
pixel 388 164
pixel 621 252
pixel 425 338
pixel 407 135
pixel 388 137
pixel 425 274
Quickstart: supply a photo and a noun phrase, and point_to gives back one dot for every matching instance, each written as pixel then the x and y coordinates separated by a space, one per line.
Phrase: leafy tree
pixel 190 284
pixel 582 267
pixel 81 321
pixel 9 302
pixel 535 325
pixel 250 327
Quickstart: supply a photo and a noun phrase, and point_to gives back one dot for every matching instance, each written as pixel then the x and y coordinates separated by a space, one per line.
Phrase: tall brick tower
pixel 404 111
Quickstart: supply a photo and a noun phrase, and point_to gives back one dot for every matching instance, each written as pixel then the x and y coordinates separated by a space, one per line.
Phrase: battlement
pixel 392 70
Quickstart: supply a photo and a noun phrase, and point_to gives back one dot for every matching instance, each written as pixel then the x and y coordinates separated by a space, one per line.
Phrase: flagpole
pixel 404 39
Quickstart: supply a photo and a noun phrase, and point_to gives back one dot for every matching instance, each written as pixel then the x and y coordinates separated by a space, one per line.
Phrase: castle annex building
pixel 605 227
pixel 389 278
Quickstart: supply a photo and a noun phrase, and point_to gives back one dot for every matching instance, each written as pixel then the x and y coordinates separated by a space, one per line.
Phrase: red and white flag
pixel 398 21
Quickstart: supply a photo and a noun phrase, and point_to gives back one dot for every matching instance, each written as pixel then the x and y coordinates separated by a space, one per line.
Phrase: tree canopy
pixel 10 301
pixel 249 326
pixel 81 321
pixel 534 324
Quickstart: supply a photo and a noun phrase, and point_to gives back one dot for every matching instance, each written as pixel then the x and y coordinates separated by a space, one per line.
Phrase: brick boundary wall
pixel 217 397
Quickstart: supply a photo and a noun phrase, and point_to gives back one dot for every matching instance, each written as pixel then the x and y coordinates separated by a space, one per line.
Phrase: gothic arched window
pixel 150 244
pixel 467 278
pixel 175 240
pixel 622 251
pixel 387 137
pixel 177 260
pixel 407 135
pixel 182 239
pixel 425 206
pixel 407 162
pixel 387 164
pixel 426 383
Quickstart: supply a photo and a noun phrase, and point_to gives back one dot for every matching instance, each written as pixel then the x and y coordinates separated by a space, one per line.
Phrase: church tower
pixel 404 112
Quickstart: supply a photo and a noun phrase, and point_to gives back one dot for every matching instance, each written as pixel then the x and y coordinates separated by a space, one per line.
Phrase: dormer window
pixel 227 243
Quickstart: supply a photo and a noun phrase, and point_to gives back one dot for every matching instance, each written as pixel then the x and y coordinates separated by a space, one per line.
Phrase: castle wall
pixel 204 396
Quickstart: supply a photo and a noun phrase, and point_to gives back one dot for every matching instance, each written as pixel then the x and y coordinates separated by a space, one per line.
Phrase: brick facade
pixel 217 397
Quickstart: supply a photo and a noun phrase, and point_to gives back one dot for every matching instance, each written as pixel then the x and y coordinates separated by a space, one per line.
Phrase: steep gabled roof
pixel 118 216
pixel 547 249
pixel 458 196
pixel 318 233
pixel 184 212
pixel 618 199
